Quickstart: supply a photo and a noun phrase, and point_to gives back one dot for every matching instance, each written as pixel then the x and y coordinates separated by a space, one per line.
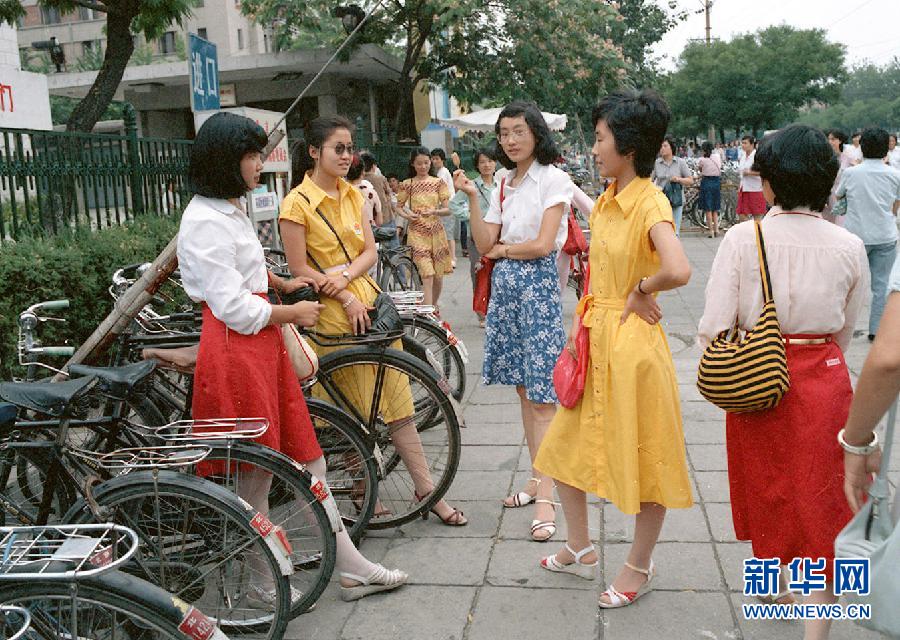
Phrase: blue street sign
pixel 204 68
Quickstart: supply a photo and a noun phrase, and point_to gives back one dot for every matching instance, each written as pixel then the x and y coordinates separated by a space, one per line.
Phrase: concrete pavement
pixel 482 581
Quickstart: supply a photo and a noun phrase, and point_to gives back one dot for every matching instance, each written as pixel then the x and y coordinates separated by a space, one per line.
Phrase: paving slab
pixel 708 457
pixel 516 523
pixel 515 563
pixel 439 563
pixel 489 458
pixel 511 613
pixel 672 615
pixel 483 517
pixel 681 525
pixel 480 485
pixel 680 565
pixel 713 486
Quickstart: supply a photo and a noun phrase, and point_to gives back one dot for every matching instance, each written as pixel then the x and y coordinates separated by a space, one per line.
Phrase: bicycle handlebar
pixel 54 351
pixel 49 305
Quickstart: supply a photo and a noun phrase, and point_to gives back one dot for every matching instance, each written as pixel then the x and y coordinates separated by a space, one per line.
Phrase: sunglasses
pixel 340 148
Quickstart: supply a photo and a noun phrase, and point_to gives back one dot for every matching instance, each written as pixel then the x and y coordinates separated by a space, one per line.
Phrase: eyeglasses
pixel 340 148
pixel 516 134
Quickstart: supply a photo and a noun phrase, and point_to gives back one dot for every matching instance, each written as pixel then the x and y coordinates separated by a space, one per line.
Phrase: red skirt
pixel 751 203
pixel 251 376
pixel 785 466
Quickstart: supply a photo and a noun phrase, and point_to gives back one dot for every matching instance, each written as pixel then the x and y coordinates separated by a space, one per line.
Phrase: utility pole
pixel 707 5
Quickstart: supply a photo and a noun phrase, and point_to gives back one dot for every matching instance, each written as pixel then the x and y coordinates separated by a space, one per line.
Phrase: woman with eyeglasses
pixel 326 239
pixel 524 229
pixel 424 200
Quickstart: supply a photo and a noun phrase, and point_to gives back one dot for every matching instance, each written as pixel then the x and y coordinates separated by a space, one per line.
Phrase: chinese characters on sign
pixel 204 72
pixel 851 575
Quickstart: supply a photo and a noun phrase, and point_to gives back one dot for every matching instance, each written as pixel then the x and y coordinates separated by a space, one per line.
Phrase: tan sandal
pixel 619 599
pixel 547 526
pixel 522 498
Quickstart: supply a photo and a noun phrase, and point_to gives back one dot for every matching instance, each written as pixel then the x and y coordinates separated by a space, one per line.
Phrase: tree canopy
pixel 755 81
pixel 124 18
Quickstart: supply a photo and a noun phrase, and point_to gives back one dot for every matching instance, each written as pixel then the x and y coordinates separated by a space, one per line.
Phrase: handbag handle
pixel 763 265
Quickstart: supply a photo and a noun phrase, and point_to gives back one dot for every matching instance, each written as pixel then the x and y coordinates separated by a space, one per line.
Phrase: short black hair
pixel 840 135
pixel 356 167
pixel 315 133
pixel 706 148
pixel 392 175
pixel 749 139
pixel 800 166
pixel 856 134
pixel 545 149
pixel 638 121
pixel 672 144
pixel 221 143
pixel 481 151
pixel 439 153
pixel 874 143
pixel 894 136
pixel 368 160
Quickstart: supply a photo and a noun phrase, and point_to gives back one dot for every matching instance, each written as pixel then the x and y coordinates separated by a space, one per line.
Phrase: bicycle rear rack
pixel 64 552
pixel 159 457
pixel 211 429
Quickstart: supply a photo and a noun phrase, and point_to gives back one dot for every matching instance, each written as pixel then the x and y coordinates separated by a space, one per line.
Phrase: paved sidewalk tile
pixel 732 556
pixel 713 486
pixel 704 432
pixel 672 616
pixel 451 561
pixel 479 485
pixel 489 458
pixel 483 517
pixel 681 565
pixel 681 525
pixel 509 613
pixel 325 621
pixel 516 524
pixel 515 563
pixel 708 457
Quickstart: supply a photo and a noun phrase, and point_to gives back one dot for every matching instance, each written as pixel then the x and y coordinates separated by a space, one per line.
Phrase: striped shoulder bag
pixel 750 373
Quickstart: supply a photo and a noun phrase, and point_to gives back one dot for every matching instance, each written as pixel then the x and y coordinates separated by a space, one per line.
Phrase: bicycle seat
pixel 53 398
pixel 182 359
pixel 383 235
pixel 7 413
pixel 117 382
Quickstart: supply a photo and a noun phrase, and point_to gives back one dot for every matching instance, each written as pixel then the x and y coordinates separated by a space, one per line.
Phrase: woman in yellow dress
pixel 320 195
pixel 423 200
pixel 624 441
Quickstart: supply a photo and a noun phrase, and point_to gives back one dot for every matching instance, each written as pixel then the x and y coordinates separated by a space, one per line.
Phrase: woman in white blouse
pixel 751 201
pixel 243 370
pixel 524 230
pixel 785 464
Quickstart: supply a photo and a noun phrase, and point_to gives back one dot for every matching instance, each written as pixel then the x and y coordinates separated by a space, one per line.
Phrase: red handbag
pixel 575 242
pixel 482 293
pixel 570 373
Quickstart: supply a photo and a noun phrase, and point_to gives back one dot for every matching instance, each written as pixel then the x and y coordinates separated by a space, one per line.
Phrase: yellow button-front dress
pixel 322 246
pixel 624 439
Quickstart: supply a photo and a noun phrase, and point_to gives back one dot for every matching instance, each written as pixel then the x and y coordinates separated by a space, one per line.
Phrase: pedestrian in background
pixel 485 184
pixel 872 189
pixel 624 441
pixel 854 151
pixel 671 175
pixel 385 196
pixel 784 463
pixel 838 140
pixel 451 225
pixel 371 209
pixel 710 166
pixel 750 200
pixel 424 201
pixel 524 229
pixel 893 156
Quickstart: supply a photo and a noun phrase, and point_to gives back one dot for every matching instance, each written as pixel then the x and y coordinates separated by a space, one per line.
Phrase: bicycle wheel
pixel 106 606
pixel 292 505
pixel 402 275
pixel 408 396
pixel 201 543
pixel 24 479
pixel 352 463
pixel 434 338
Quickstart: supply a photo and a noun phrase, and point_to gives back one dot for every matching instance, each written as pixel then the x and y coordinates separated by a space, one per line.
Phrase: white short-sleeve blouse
pixel 544 186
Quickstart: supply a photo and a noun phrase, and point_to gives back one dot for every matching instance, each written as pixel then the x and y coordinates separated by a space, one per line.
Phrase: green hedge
pixel 77 266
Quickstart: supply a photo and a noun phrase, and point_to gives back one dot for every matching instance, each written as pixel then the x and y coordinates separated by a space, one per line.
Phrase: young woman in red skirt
pixel 785 466
pixel 751 201
pixel 243 370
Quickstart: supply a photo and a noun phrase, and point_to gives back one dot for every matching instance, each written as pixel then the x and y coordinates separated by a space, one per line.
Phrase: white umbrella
pixel 485 120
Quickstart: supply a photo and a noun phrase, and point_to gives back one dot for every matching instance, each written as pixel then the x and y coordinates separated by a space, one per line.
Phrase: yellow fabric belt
pixel 589 303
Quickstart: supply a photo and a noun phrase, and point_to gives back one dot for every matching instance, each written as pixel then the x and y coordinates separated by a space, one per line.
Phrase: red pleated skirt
pixel 751 203
pixel 251 376
pixel 785 466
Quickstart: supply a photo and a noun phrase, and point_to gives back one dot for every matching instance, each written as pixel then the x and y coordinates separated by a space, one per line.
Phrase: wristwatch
pixel 346 274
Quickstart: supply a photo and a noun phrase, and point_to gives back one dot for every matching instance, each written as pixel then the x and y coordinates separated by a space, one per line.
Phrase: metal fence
pixel 50 181
pixel 392 157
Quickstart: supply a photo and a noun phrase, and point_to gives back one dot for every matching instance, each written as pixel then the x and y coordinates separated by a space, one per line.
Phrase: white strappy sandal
pixel 618 599
pixel 523 498
pixel 381 580
pixel 543 525
pixel 588 571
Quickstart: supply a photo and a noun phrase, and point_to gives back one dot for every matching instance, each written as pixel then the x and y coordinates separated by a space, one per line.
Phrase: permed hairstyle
pixel 800 166
pixel 314 135
pixel 437 152
pixel 545 149
pixel 839 135
pixel 638 121
pixel 874 143
pixel 419 151
pixel 221 143
pixel 356 167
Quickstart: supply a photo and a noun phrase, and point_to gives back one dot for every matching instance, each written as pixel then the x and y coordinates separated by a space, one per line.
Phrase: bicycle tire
pixel 195 501
pixel 150 612
pixel 434 336
pixel 351 462
pixel 403 275
pixel 395 490
pixel 290 482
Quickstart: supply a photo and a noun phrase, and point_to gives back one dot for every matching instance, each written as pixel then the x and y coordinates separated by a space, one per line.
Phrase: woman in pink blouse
pixel 710 166
pixel 785 466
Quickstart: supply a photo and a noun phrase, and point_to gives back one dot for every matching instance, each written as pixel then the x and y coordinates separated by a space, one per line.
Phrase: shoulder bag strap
pixel 763 265
pixel 502 196
pixel 340 242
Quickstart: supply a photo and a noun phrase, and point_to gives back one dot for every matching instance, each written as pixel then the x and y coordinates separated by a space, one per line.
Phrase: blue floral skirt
pixel 524 334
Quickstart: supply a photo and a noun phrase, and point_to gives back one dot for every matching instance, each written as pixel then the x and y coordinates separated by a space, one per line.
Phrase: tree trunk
pixel 405 120
pixel 119 47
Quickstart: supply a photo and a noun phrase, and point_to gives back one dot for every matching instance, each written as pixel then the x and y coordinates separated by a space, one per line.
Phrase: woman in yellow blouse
pixel 426 199
pixel 623 441
pixel 320 192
